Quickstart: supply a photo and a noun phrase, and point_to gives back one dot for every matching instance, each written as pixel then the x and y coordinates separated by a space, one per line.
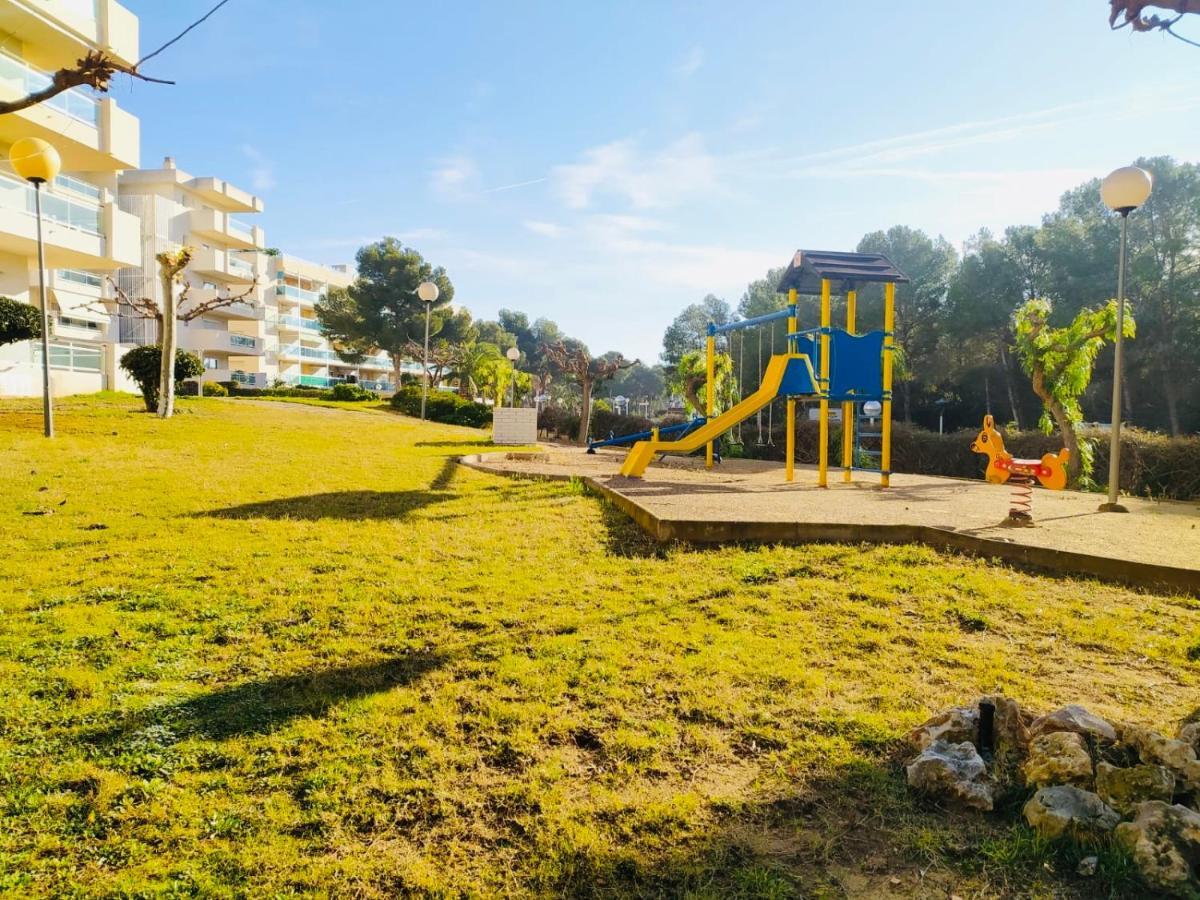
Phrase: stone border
pixel 1043 559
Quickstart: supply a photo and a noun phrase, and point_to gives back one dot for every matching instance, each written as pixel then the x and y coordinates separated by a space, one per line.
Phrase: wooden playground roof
pixel 809 268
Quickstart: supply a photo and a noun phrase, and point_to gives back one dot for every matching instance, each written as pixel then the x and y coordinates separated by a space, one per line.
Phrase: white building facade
pixel 87 235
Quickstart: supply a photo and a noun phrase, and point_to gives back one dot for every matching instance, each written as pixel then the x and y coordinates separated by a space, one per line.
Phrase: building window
pixel 69 322
pixel 80 277
pixel 72 357
pixel 211 362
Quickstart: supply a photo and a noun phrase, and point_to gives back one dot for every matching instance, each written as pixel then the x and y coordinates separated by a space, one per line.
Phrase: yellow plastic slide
pixel 643 451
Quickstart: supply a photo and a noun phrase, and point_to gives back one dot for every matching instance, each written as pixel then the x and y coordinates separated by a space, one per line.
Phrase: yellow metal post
pixel 710 401
pixel 823 450
pixel 889 321
pixel 791 404
pixel 848 422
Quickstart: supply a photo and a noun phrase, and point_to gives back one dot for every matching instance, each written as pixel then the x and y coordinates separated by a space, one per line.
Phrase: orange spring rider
pixel 1050 470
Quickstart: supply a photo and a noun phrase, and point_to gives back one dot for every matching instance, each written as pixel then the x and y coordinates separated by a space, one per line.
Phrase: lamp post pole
pixel 513 355
pixel 427 291
pixel 1123 191
pixel 1114 439
pixel 38 162
pixel 47 406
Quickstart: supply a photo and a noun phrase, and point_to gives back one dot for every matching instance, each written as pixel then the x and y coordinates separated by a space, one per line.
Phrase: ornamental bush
pixel 442 406
pixel 212 389
pixel 142 364
pixel 353 393
pixel 18 321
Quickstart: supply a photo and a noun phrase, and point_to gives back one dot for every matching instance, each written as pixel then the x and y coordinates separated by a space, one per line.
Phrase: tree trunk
pixel 585 410
pixel 166 378
pixel 1171 395
pixel 1065 426
pixel 907 391
pixel 1011 388
pixel 397 383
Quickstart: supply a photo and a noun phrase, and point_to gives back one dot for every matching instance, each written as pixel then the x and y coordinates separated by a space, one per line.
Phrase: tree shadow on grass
pixel 259 707
pixel 854 832
pixel 349 505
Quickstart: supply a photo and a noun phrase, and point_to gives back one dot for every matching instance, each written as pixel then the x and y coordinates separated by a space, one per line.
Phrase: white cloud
pixel 545 229
pixel 691 63
pixel 262 174
pixel 645 181
pixel 514 185
pixel 454 177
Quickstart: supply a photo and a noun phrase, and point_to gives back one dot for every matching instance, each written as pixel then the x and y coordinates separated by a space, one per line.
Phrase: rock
pixel 1087 866
pixel 1073 717
pixel 954 725
pixel 1058 757
pixel 1010 733
pixel 1165 843
pixel 1189 733
pixel 1124 789
pixel 953 772
pixel 1065 810
pixel 1178 756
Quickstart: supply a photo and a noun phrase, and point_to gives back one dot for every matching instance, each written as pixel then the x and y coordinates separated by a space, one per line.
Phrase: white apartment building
pixel 297 352
pixel 177 209
pixel 87 234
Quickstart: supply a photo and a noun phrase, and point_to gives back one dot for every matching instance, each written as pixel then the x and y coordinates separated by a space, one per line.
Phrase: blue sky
pixel 604 164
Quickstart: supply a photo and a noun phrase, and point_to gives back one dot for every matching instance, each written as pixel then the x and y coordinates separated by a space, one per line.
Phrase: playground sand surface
pixel 749 499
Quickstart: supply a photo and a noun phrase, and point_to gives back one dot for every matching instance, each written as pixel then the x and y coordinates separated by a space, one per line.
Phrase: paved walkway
pixel 1156 543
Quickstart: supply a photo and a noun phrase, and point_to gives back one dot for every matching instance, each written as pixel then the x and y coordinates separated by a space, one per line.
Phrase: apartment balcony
pixel 241 310
pixel 298 325
pixel 90 134
pixel 300 295
pixel 78 234
pixel 225 196
pixel 64 30
pixel 223 266
pixel 222 228
pixel 245 379
pixel 217 342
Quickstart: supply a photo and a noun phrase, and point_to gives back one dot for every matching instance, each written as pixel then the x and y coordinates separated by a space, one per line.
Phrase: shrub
pixel 1152 464
pixel 213 389
pixel 353 393
pixel 558 421
pixel 18 321
pixel 308 393
pixel 142 364
pixel 442 406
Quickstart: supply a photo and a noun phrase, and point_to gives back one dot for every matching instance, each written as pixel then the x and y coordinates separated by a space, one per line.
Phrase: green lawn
pixel 272 649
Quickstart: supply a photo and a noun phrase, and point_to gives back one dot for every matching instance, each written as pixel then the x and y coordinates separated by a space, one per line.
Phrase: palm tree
pixel 471 365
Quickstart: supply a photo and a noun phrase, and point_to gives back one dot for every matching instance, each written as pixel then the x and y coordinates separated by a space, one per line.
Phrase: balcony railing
pixel 233 226
pixel 323 381
pixel 27 79
pixel 248 378
pixel 287 290
pixel 300 322
pixel 240 265
pixel 240 340
pixel 74 214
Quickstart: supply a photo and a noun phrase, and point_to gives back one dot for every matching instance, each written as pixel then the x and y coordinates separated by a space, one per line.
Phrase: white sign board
pixel 514 425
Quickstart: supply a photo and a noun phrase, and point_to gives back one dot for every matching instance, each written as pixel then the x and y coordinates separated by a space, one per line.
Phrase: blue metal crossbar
pixel 787 311
pixel 677 431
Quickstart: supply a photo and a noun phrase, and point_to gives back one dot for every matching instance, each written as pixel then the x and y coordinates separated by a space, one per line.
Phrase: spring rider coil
pixel 1050 471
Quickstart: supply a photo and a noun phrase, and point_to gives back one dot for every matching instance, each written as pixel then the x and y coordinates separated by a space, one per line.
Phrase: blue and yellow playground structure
pixel 827 364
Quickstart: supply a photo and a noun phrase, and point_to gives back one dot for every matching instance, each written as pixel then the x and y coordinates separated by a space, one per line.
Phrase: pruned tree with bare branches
pixel 96 70
pixel 573 360
pixel 443 356
pixel 174 308
pixel 1132 14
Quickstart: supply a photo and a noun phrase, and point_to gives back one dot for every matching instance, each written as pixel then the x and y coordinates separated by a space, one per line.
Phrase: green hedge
pixel 442 406
pixel 1152 465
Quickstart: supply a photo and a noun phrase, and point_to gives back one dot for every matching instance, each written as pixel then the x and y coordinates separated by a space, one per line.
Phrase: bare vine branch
pixel 96 70
pixel 1131 15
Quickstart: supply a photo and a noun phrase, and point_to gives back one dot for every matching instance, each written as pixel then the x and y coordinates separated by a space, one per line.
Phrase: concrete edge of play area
pixel 1042 559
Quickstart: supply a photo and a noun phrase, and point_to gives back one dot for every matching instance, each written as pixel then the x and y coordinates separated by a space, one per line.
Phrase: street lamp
pixel 1123 191
pixel 427 291
pixel 37 162
pixel 513 355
